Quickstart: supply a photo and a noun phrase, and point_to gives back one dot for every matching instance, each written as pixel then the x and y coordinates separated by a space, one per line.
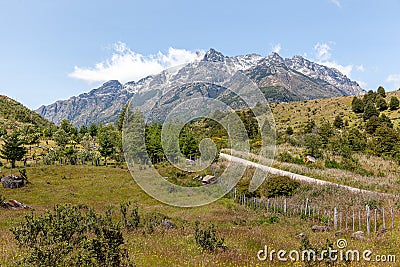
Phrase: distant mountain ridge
pixel 281 80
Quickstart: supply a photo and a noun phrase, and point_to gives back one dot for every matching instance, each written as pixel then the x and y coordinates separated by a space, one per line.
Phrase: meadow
pixel 245 230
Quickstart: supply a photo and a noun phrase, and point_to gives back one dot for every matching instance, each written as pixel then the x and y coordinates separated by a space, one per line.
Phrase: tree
pixel 325 131
pixel 381 91
pixel 370 111
pixel 61 137
pixel 385 140
pixel 107 140
pixel 188 143
pixel 394 103
pixel 338 122
pixel 372 124
pixel 83 130
pixel 356 140
pixel 313 143
pixel 120 122
pixel 93 128
pixel 153 142
pixel 13 148
pixel 381 103
pixel 357 105
pixel 369 97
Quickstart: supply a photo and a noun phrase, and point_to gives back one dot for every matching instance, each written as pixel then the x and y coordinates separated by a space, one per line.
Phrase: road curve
pixel 294 175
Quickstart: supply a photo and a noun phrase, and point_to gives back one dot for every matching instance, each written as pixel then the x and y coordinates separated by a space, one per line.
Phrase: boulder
pixel 320 228
pixel 357 235
pixel 12 181
pixel 167 223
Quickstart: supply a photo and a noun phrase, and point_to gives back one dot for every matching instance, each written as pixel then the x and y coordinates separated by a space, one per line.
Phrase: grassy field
pixel 245 230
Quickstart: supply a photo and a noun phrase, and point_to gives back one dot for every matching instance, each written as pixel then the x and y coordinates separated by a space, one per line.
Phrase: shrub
pixel 66 236
pixel 394 103
pixel 207 238
pixel 281 186
pixel 133 220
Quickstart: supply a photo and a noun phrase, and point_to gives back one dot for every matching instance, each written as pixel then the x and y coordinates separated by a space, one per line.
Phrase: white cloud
pixel 322 51
pixel 362 84
pixel 360 68
pixel 323 57
pixel 126 65
pixel 277 48
pixel 336 2
pixel 395 79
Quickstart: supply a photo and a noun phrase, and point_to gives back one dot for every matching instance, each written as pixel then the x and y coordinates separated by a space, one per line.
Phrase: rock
pixel 357 235
pixel 320 228
pixel 167 223
pixel 340 233
pixel 301 235
pixel 12 181
pixel 13 205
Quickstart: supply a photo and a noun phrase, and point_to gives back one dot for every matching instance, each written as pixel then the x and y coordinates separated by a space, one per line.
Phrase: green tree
pixel 289 130
pixel 372 124
pixel 153 142
pixel 356 140
pixel 338 122
pixel 120 122
pixel 394 103
pixel 93 128
pixel 381 103
pixel 370 111
pixel 313 144
pixel 369 97
pixel 134 130
pixel 107 139
pixel 357 105
pixel 385 140
pixel 381 91
pixel 12 149
pixel 83 130
pixel 325 131
pixel 188 143
pixel 61 138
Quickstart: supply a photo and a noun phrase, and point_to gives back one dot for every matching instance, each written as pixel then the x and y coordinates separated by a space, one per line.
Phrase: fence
pixel 367 219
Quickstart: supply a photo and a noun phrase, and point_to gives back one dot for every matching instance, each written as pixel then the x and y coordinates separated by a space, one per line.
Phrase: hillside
pixel 279 79
pixel 296 114
pixel 13 112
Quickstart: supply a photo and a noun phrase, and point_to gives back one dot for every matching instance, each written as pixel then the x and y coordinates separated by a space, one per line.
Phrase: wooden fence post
pixel 375 220
pixel 335 218
pixel 383 218
pixel 392 219
pixel 284 206
pixel 305 211
pixel 368 219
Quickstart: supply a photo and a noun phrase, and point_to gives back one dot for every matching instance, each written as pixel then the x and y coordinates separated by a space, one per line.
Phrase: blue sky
pixel 52 50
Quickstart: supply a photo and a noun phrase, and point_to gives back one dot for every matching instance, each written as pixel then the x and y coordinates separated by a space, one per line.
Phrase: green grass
pixel 245 230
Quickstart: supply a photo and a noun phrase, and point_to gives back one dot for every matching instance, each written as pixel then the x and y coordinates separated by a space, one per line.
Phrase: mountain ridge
pixel 280 79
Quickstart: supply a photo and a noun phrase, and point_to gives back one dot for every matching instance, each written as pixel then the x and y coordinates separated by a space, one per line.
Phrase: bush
pixel 281 186
pixel 66 236
pixel 332 164
pixel 207 238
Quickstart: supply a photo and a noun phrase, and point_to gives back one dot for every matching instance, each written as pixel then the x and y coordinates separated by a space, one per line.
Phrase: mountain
pixel 281 80
pixel 14 113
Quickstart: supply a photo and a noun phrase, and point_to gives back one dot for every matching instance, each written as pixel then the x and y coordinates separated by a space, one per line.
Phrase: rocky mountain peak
pixel 214 56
